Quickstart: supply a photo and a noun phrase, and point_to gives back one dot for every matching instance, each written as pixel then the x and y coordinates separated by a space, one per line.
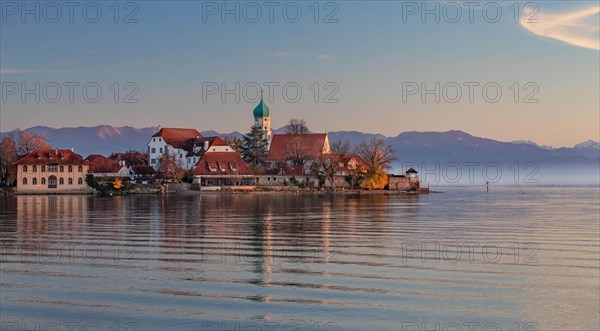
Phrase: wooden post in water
pixel 487 186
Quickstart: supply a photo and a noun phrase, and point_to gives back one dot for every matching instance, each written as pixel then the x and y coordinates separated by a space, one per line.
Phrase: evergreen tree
pixel 255 150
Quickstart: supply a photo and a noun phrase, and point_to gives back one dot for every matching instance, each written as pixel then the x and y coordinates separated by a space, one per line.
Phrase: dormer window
pixel 212 167
pixel 233 166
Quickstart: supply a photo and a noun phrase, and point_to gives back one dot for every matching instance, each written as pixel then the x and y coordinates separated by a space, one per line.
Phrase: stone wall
pixel 402 183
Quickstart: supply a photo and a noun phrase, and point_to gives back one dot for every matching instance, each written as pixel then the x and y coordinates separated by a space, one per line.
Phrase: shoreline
pixel 189 192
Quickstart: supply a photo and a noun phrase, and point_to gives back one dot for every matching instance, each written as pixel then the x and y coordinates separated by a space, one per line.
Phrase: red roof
pixel 222 163
pixel 312 145
pixel 130 158
pixel 177 137
pixel 52 156
pixel 102 164
pixel 143 170
pixel 199 142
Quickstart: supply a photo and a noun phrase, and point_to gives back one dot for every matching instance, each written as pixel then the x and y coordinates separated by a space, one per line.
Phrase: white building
pixel 175 141
pixel 188 146
pixel 262 119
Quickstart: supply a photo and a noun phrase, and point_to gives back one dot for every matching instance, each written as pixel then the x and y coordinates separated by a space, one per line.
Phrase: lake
pixel 511 259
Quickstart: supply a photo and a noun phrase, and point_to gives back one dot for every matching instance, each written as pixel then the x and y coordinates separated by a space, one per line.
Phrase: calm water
pixel 454 261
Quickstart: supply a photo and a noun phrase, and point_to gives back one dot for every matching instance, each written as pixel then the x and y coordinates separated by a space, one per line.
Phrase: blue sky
pixel 370 54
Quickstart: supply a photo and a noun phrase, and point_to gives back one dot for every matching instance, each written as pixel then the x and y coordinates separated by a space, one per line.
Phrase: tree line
pixel 13 147
pixel 375 153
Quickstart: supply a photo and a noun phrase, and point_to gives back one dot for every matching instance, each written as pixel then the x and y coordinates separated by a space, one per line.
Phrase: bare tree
pixel 236 143
pixel 296 126
pixel 378 158
pixel 169 167
pixel 28 141
pixel 328 166
pixel 341 147
pixel 8 155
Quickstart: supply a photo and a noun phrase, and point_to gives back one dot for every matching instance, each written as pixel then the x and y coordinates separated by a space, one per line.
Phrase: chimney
pixel 206 145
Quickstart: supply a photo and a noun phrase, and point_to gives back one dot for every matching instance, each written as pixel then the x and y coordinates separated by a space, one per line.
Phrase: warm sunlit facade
pixel 52 171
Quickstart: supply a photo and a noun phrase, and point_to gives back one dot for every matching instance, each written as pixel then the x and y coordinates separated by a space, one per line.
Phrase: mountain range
pixel 411 147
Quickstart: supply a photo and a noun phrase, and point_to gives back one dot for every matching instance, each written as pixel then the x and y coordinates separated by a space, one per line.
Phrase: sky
pixel 501 70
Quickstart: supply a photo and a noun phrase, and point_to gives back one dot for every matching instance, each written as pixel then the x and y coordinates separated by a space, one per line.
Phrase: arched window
pixel 24 181
pixel 80 181
pixel 70 181
pixel 24 168
pixel 61 181
pixel 43 181
pixel 80 169
pixel 61 169
pixel 34 181
pixel 70 168
pixel 52 182
pixel 43 168
pixel 34 168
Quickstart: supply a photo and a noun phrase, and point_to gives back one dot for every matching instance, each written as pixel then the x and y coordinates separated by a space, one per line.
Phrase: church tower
pixel 262 118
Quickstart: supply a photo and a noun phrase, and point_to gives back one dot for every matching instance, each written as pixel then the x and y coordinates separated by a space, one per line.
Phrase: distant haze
pixel 442 158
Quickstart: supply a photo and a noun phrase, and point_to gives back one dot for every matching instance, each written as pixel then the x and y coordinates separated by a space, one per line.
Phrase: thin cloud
pixel 577 27
pixel 18 71
pixel 279 54
pixel 325 57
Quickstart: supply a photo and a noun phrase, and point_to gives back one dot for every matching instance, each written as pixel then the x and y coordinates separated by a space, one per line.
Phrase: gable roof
pixel 199 142
pixel 51 156
pixel 130 158
pixel 411 171
pixel 101 164
pixel 177 137
pixel 313 145
pixel 222 163
pixel 142 170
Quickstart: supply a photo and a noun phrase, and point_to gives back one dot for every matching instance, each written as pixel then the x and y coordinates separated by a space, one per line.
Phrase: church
pixel 214 163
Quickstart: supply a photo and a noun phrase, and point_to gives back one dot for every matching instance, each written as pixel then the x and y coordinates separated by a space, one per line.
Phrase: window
pixel 153 140
pixel 43 181
pixel 61 181
pixel 24 181
pixel 52 168
pixel 24 168
pixel 70 181
pixel 159 139
pixel 70 168
pixel 52 182
pixel 34 168
pixel 80 169
pixel 153 150
pixel 34 181
pixel 79 181
pixel 153 161
pixel 43 168
pixel 160 150
pixel 62 169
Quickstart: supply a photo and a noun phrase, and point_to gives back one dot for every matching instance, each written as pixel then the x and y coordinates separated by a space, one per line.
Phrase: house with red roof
pixel 187 145
pixel 217 169
pixel 103 167
pixel 176 141
pixel 293 154
pixel 44 171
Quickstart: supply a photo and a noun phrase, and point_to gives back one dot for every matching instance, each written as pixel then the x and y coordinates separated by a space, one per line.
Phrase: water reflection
pixel 171 262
